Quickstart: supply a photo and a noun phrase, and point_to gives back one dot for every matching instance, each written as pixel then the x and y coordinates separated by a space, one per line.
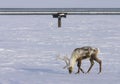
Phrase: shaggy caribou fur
pixel 78 55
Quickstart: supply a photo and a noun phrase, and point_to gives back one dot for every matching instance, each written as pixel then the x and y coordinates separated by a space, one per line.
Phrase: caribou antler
pixel 66 59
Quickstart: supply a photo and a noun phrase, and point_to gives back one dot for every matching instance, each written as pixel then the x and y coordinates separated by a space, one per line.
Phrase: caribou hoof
pixel 87 73
pixel 98 72
pixel 77 72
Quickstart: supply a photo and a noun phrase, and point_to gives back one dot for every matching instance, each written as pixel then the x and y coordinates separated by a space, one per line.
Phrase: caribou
pixel 80 54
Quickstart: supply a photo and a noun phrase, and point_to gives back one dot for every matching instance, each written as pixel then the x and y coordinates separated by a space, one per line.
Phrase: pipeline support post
pixel 59 16
pixel 59 21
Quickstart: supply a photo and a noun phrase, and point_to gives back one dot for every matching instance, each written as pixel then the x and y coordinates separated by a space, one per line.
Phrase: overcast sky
pixel 59 3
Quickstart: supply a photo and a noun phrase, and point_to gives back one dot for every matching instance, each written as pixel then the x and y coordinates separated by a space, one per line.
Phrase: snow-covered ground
pixel 29 46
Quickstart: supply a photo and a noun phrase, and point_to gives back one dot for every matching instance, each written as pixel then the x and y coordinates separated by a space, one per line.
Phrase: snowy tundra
pixel 29 46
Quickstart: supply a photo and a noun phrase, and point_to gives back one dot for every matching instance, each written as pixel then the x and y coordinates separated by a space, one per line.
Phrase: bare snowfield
pixel 29 46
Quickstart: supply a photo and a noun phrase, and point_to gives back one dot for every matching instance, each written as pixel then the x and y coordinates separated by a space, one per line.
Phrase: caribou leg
pixel 92 63
pixel 100 64
pixel 79 67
